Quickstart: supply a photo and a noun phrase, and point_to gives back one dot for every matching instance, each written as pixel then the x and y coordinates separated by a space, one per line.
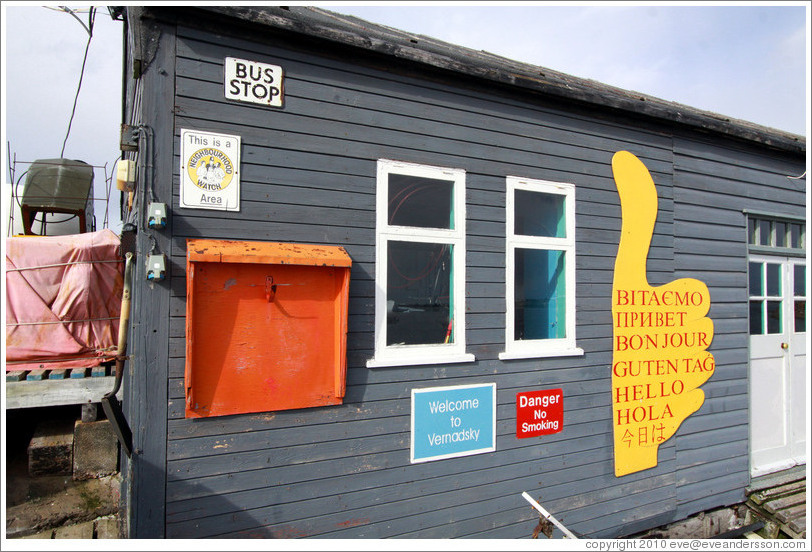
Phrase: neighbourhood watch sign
pixel 209 171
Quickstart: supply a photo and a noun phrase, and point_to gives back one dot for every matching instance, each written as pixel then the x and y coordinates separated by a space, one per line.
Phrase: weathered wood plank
pixel 791 513
pixel 777 479
pixel 412 481
pixel 57 374
pixel 16 375
pixel 31 394
pixel 344 471
pixel 777 492
pixel 692 150
pixel 445 491
pixel 37 375
pixel 446 98
pixel 383 127
pixel 711 454
pixel 799 526
pixel 99 371
pixel 705 501
pixel 147 381
pixel 777 504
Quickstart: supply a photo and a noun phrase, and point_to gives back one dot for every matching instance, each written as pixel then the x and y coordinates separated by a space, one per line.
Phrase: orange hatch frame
pixel 266 326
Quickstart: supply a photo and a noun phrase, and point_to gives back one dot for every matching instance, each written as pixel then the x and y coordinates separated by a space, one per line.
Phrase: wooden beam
pixel 32 394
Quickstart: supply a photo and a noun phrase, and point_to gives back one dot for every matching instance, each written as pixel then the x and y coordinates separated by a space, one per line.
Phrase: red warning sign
pixel 539 413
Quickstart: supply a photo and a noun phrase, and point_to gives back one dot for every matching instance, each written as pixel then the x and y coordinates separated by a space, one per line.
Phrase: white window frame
pixel 533 348
pixel 402 355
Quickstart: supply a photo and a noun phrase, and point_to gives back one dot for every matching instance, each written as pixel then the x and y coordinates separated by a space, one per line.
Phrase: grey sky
pixel 747 62
pixel 42 60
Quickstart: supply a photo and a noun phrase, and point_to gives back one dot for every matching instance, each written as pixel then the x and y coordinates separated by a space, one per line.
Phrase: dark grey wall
pixel 150 93
pixel 714 183
pixel 308 175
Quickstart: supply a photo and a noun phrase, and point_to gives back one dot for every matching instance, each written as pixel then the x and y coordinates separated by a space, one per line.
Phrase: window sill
pixel 514 355
pixel 420 360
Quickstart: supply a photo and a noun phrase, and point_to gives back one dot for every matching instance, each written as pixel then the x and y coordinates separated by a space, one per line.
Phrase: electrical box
pixel 156 268
pixel 125 175
pixel 266 326
pixel 157 215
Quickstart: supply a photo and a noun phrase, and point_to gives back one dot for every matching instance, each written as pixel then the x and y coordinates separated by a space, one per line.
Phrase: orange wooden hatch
pixel 266 326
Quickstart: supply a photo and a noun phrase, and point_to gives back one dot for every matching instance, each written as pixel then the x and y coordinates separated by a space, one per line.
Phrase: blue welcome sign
pixel 453 421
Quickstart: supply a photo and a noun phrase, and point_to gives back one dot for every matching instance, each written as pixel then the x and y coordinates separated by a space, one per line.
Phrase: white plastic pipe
pixel 547 515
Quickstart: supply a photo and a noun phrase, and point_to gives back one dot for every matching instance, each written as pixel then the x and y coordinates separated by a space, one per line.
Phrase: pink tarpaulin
pixel 63 298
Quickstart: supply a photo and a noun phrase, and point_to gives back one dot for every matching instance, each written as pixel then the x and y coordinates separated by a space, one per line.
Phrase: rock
pixel 82 501
pixel 50 451
pixel 95 450
pixel 78 531
pixel 107 528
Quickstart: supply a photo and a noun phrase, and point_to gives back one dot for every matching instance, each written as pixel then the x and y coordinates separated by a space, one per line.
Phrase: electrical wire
pixel 60 164
pixel 89 29
pixel 73 12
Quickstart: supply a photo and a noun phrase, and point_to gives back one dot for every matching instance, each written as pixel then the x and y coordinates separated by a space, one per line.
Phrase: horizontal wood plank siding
pixel 713 186
pixel 344 471
pixel 308 175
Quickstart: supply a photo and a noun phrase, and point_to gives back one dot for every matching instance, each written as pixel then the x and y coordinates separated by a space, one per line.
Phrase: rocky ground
pixel 55 506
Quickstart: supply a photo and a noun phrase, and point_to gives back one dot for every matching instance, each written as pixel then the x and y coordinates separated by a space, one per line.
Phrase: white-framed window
pixel 419 265
pixel 540 269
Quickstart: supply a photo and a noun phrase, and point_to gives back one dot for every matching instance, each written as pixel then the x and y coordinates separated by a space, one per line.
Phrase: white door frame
pixel 777 370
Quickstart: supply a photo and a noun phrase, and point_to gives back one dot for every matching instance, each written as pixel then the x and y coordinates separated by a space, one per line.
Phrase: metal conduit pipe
pixel 110 404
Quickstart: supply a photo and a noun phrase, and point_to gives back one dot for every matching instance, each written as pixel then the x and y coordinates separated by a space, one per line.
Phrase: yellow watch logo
pixel 210 169
pixel 660 333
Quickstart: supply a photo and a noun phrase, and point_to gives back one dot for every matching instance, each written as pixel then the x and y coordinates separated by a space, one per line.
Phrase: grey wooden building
pixel 420 160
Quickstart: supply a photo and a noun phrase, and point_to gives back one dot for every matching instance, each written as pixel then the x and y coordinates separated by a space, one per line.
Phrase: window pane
pixel 799 279
pixel 764 232
pixel 780 234
pixel 539 214
pixel 756 280
pixel 774 317
pixel 540 294
pixel 799 275
pixel 774 280
pixel 756 322
pixel 418 290
pixel 800 316
pixel 752 236
pixel 421 202
pixel 795 236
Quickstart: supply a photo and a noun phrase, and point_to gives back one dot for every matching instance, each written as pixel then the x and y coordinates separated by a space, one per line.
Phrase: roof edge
pixel 351 31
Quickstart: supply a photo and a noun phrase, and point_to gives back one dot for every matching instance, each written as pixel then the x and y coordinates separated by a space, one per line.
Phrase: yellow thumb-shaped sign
pixel 660 333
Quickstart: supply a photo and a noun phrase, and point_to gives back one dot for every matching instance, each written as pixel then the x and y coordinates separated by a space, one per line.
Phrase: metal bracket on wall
pixel 129 138
pixel 270 289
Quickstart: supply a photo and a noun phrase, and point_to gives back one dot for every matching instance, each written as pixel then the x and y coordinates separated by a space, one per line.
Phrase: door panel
pixel 777 364
pixel 798 337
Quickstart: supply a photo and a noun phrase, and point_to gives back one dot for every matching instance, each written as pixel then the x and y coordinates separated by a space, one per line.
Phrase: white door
pixel 777 363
